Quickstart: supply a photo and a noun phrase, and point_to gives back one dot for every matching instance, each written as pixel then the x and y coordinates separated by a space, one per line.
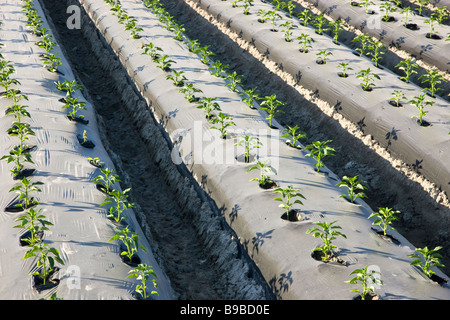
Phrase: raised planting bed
pixel 391 56
pixel 195 246
pixel 427 146
pixel 412 36
pixel 90 266
pixel 281 248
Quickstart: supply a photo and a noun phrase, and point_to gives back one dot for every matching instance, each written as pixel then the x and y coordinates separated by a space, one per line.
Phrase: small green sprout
pixel 107 180
pixel 164 62
pixel 74 105
pixel 397 95
pixel 367 279
pixel 363 39
pixel 295 135
pixel 7 83
pixel 193 45
pixel 323 56
pixel 222 121
pixel 23 132
pixel 14 95
pixel 366 4
pixel 249 142
pixel 384 218
pixel 279 4
pixel 234 3
pixel 305 42
pixel 189 92
pixel 205 54
pixel 177 77
pixel 367 77
pixel 19 111
pixel 154 4
pixel 407 11
pixel 46 260
pixel 131 24
pixel 441 13
pixel 377 49
pixel 120 204
pixel 34 223
pixel 47 43
pixel 119 12
pixel 420 103
pixel 35 24
pixel 24 191
pixel 336 27
pixel 305 16
pixel 68 86
pixel 328 234
pixel 321 24
pixel 264 180
pixel 51 61
pixel 432 77
pixel 263 16
pixel 388 8
pixel 18 157
pixel 179 30
pixel 273 16
pixel 319 150
pixel 6 68
pixel 421 4
pixel 152 50
pixel 130 239
pixel 143 272
pixel 53 297
pixel 208 105
pixel 287 29
pixel 234 80
pixel 353 185
pixel 85 137
pixel 430 259
pixel 287 194
pixel 247 5
pixel 431 22
pixel 408 66
pixel 344 67
pixel 271 104
pixel 250 97
pixel 290 6
pixel 218 68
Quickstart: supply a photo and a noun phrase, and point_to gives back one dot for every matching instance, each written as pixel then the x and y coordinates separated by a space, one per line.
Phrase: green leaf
pixel 115 237
pixel 416 263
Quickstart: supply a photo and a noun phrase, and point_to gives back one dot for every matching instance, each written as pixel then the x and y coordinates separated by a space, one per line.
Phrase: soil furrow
pixel 424 211
pixel 187 256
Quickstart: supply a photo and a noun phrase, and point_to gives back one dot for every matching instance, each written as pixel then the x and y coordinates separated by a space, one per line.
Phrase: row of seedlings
pixel 372 47
pixel 368 47
pixel 73 104
pixel 425 258
pixel 117 199
pixel 51 61
pixel 383 218
pixel 428 258
pixel 220 120
pixel 32 221
pixel 436 16
pixel 118 203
